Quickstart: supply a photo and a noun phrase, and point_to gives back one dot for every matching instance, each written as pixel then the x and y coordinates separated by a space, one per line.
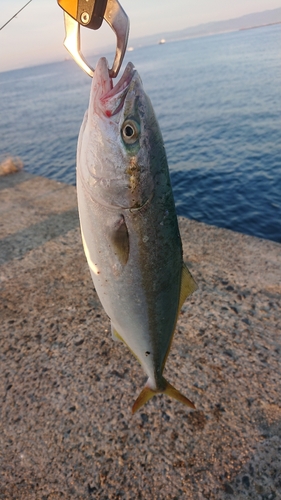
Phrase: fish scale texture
pixel 66 389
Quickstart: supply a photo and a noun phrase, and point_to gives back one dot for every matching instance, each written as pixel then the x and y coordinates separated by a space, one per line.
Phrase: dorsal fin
pixel 188 285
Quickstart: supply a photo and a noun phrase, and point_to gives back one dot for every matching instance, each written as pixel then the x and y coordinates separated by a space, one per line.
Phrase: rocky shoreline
pixel 66 389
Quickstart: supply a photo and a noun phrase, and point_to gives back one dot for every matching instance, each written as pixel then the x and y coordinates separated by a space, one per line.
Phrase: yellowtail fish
pixel 129 225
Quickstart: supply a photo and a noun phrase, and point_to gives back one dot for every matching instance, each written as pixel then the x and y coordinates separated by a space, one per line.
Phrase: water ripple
pixel 218 102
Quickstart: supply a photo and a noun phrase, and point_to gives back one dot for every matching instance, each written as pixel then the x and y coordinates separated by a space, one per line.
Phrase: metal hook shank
pixel 117 19
pixel 72 43
pixel 119 22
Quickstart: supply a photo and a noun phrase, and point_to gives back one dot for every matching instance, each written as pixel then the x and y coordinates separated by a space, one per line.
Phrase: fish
pixel 129 225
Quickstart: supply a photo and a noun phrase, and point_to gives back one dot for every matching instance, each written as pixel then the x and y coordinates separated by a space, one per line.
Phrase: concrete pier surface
pixel 66 389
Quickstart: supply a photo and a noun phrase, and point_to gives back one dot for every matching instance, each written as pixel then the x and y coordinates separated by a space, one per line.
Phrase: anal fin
pixel 115 335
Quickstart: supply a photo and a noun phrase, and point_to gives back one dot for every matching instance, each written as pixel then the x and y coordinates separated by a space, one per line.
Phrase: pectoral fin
pixel 119 240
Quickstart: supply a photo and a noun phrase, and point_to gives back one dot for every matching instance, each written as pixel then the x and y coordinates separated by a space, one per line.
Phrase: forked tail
pixel 147 393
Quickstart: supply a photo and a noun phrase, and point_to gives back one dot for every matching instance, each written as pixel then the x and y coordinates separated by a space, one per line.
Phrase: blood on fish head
pixel 106 99
pixel 119 141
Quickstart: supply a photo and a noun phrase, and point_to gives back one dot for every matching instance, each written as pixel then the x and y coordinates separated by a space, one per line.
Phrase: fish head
pixel 118 141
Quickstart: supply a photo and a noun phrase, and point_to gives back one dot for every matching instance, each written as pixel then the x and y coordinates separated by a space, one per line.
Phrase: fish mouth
pixel 110 99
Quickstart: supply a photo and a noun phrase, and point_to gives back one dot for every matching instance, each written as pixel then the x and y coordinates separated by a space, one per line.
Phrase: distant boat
pixel 130 49
pixel 162 41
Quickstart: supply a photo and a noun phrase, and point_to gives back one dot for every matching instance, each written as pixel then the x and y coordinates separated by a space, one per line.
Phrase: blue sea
pixel 218 102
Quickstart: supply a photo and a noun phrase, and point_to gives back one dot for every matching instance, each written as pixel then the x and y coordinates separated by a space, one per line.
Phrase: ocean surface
pixel 218 102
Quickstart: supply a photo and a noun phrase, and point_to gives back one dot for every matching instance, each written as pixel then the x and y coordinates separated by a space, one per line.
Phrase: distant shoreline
pixel 249 21
pixel 214 33
pixel 260 26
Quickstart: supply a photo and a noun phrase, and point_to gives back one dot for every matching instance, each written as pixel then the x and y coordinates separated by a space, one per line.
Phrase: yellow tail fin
pixel 147 393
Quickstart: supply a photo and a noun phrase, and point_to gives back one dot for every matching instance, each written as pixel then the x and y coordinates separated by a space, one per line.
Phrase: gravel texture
pixel 66 389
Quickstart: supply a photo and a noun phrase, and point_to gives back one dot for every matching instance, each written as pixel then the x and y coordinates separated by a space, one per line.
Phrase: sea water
pixel 218 102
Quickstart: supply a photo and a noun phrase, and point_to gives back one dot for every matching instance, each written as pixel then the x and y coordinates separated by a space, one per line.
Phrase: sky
pixel 36 35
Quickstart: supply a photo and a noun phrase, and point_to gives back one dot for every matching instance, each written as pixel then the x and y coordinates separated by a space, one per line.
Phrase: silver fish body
pixel 128 223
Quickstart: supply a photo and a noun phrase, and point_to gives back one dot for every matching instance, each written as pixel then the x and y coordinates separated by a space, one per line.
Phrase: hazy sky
pixel 36 35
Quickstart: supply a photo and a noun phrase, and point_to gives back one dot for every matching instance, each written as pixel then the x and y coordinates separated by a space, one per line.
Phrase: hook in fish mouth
pixel 111 98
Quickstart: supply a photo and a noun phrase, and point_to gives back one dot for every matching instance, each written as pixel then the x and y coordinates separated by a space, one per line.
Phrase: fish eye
pixel 130 131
